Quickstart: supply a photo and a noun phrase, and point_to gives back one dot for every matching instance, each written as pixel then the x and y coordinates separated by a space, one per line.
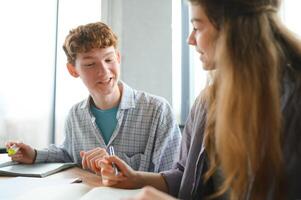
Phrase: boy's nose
pixel 103 69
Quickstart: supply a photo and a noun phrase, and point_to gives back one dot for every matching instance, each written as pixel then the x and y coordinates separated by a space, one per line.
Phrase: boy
pixel 140 126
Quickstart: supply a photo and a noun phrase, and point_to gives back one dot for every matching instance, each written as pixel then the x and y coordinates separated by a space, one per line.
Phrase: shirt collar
pixel 127 98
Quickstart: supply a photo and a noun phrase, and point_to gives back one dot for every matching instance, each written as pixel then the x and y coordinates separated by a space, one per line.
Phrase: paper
pixel 11 188
pixel 66 192
pixel 77 192
pixel 5 160
pixel 107 193
pixel 7 163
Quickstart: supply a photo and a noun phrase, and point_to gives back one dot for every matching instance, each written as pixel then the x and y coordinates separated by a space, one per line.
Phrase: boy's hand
pixel 89 158
pixel 25 153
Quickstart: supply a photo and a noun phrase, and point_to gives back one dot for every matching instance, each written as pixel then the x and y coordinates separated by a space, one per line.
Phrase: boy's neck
pixel 109 101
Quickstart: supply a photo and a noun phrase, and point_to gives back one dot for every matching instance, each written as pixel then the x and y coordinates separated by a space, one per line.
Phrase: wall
pixel 144 29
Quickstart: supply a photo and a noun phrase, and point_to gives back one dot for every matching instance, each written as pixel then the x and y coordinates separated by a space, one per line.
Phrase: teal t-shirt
pixel 106 121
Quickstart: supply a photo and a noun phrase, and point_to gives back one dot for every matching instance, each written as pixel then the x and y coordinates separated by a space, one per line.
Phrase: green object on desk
pixel 12 150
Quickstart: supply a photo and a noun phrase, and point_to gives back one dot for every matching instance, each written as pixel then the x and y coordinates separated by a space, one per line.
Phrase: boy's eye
pixel 109 60
pixel 89 65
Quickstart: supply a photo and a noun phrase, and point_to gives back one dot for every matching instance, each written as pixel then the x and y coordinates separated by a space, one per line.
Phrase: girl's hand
pixel 126 178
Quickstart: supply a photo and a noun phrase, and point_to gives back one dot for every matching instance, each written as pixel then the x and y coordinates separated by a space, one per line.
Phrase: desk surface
pixel 59 188
pixel 87 177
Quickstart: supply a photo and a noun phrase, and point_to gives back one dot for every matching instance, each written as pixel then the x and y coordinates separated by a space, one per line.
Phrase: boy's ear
pixel 72 70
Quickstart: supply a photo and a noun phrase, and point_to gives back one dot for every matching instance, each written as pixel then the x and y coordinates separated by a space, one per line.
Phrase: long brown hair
pixel 243 135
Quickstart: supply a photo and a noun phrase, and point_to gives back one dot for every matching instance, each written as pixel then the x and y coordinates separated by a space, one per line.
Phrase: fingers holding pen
pixel 99 161
pixel 126 178
pixel 108 174
pixel 122 166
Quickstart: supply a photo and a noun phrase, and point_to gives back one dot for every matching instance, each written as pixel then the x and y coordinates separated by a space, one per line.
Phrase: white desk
pixel 88 178
pixel 55 187
pixel 59 180
pixel 58 187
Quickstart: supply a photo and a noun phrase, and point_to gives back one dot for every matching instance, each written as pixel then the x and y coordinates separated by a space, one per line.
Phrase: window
pixel 70 90
pixel 291 15
pixel 176 58
pixel 193 77
pixel 29 62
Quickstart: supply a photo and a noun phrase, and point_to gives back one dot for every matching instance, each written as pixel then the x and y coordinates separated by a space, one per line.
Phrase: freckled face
pixel 203 36
pixel 99 69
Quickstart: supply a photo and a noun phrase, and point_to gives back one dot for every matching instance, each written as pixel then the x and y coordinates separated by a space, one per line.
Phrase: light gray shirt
pixel 146 137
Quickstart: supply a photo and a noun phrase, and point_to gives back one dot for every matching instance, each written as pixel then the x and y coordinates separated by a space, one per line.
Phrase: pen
pixel 112 153
pixel 12 150
pixel 77 180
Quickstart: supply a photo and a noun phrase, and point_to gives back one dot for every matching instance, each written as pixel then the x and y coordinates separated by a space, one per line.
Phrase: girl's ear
pixel 118 56
pixel 72 70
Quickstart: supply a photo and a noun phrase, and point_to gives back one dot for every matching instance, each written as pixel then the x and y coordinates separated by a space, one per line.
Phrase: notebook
pixel 32 170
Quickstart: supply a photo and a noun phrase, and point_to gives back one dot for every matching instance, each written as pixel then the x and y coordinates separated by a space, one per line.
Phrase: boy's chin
pixel 109 90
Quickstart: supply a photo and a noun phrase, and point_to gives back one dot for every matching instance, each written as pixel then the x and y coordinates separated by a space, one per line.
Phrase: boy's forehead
pixel 97 52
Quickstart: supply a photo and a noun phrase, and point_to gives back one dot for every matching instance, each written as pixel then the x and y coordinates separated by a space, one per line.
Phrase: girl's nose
pixel 191 39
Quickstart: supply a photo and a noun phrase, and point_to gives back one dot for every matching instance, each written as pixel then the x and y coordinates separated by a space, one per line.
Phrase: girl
pixel 242 138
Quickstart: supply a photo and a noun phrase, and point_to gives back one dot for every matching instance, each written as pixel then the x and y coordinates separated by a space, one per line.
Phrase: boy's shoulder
pixel 139 97
pixel 80 106
pixel 151 99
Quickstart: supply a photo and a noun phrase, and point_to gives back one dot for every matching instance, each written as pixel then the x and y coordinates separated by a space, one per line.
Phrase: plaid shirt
pixel 146 136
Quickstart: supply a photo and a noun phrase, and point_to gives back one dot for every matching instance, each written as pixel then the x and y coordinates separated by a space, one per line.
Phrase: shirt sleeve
pixel 168 140
pixel 174 176
pixel 56 153
pixel 173 179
